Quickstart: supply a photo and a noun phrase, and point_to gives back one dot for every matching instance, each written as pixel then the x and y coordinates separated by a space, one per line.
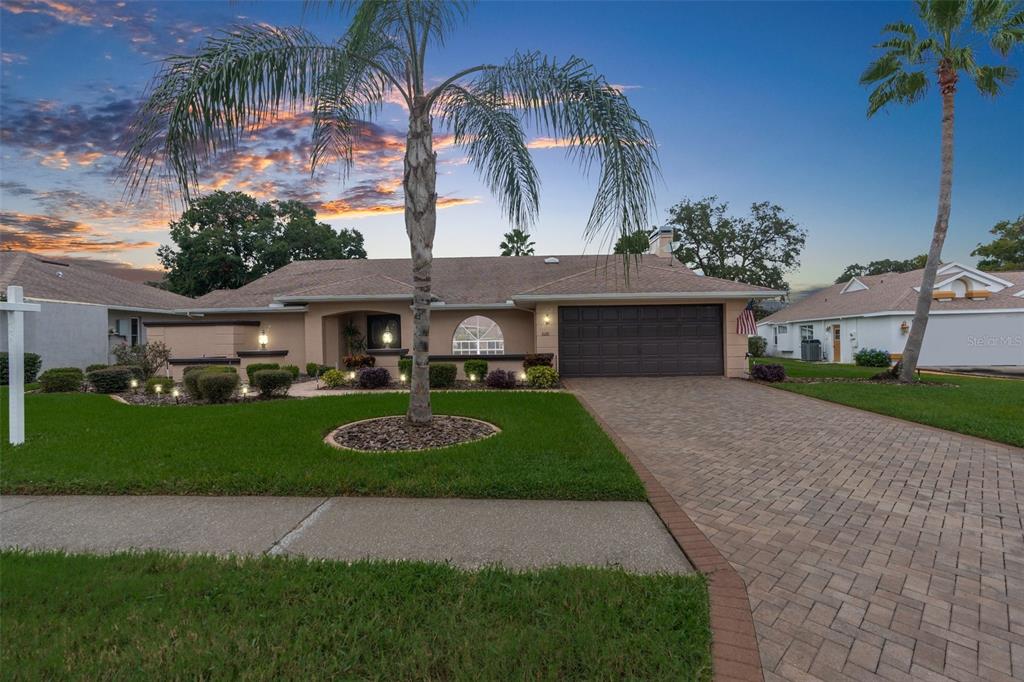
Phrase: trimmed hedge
pixel 292 369
pixel 872 357
pixel 96 366
pixel 61 380
pixel 538 360
pixel 272 382
pixel 334 378
pixel 770 373
pixel 477 368
pixel 757 346
pixel 165 384
pixel 373 377
pixel 358 361
pixel 191 377
pixel 217 387
pixel 32 364
pixel 110 379
pixel 251 370
pixel 442 374
pixel 315 369
pixel 541 376
pixel 136 371
pixel 501 378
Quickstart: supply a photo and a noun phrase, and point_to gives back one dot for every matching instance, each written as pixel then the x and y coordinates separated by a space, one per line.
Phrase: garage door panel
pixel 640 340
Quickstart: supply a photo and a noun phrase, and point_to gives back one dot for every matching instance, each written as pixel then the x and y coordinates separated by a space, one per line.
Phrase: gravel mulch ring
pixel 395 434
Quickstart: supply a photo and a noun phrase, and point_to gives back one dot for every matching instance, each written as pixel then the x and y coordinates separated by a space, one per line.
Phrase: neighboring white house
pixel 85 312
pixel 976 319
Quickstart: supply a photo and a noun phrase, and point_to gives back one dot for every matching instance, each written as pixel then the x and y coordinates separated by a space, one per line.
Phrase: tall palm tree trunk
pixel 420 185
pixel 912 351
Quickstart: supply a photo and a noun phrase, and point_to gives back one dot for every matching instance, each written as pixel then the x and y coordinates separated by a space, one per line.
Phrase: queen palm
pixel 199 105
pixel 954 32
pixel 516 243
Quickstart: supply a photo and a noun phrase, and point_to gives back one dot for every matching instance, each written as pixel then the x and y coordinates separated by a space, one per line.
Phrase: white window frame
pixel 476 345
pixel 809 329
pixel 134 331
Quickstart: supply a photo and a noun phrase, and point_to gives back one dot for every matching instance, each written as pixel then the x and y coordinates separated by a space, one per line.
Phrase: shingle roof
pixel 42 278
pixel 472 280
pixel 891 291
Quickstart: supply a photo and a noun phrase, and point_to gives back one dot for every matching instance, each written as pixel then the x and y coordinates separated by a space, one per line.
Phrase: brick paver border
pixel 734 651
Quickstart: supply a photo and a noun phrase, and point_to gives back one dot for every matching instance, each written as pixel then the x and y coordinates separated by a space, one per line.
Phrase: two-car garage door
pixel 644 340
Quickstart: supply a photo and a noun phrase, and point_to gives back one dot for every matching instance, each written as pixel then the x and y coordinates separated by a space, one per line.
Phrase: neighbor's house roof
pixel 487 280
pixel 897 293
pixel 54 280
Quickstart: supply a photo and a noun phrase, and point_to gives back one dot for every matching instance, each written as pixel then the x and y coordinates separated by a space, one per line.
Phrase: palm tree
pixel 199 105
pixel 516 243
pixel 953 32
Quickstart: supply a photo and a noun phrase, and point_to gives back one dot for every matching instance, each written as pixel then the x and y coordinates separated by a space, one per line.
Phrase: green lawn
pixel 549 448
pixel 158 616
pixel 989 408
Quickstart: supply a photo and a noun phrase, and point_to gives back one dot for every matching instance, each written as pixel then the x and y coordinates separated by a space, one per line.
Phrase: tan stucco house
pixel 663 319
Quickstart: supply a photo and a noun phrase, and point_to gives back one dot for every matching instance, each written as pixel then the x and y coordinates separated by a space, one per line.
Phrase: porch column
pixel 314 337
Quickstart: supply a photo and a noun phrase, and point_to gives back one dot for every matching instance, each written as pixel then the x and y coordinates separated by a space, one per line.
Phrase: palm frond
pixel 493 138
pixel 901 28
pixel 1009 34
pixel 882 68
pixel 942 17
pixel 900 88
pixel 201 105
pixel 991 80
pixel 988 14
pixel 569 100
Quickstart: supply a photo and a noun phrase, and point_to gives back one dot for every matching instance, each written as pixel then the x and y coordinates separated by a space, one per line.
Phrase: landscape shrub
pixel 32 363
pixel 292 369
pixel 757 346
pixel 373 377
pixel 770 373
pixel 216 386
pixel 165 384
pixel 538 360
pixel 405 367
pixel 442 374
pixel 251 370
pixel 61 380
pixel 136 371
pixel 96 366
pixel 542 376
pixel 477 368
pixel 151 357
pixel 315 369
pixel 190 377
pixel 872 357
pixel 272 382
pixel 110 379
pixel 334 378
pixel 358 361
pixel 500 378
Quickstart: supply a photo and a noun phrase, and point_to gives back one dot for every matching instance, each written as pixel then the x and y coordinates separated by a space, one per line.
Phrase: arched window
pixel 478 335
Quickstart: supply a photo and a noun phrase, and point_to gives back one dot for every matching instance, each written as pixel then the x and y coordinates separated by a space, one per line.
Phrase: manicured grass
pixel 158 616
pixel 989 408
pixel 549 448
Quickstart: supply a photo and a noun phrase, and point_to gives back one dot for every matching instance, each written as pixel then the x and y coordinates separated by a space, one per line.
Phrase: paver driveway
pixel 872 548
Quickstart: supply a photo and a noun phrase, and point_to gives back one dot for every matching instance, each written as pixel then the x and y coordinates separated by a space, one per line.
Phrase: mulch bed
pixel 396 434
pixel 460 385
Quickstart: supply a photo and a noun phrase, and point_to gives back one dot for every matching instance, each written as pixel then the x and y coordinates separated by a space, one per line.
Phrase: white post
pixel 15 307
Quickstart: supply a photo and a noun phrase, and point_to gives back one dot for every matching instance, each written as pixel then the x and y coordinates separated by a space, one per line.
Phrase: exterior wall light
pixel 263 339
pixel 387 338
pixel 547 318
pixel 904 327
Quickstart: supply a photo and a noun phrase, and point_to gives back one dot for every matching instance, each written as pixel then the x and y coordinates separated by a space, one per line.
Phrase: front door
pixel 837 355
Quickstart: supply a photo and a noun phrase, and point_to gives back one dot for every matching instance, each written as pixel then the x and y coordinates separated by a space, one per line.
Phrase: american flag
pixel 745 323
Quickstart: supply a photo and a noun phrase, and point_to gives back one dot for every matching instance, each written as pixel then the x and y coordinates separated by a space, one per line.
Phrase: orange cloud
pixel 343 208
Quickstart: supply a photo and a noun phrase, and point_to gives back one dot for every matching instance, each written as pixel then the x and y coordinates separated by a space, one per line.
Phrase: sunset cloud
pixel 41 233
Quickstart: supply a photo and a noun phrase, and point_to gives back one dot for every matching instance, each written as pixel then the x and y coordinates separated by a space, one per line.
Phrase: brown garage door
pixel 640 340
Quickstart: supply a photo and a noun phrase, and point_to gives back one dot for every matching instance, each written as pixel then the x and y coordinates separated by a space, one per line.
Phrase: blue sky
pixel 748 101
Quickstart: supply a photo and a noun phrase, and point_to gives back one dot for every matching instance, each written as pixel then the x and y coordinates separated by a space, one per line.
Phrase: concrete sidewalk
pixel 518 534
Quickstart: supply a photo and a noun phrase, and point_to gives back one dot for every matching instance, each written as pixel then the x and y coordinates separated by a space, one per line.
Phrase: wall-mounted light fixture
pixel 263 339
pixel 904 327
pixel 547 318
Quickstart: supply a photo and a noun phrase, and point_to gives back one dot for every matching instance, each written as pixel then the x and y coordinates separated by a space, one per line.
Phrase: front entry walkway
pixel 872 548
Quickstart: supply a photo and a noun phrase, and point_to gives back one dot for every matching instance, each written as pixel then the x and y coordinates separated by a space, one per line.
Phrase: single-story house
pixel 663 319
pixel 976 318
pixel 85 312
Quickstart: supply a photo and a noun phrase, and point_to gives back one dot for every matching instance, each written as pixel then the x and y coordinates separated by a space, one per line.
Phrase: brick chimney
pixel 661 239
